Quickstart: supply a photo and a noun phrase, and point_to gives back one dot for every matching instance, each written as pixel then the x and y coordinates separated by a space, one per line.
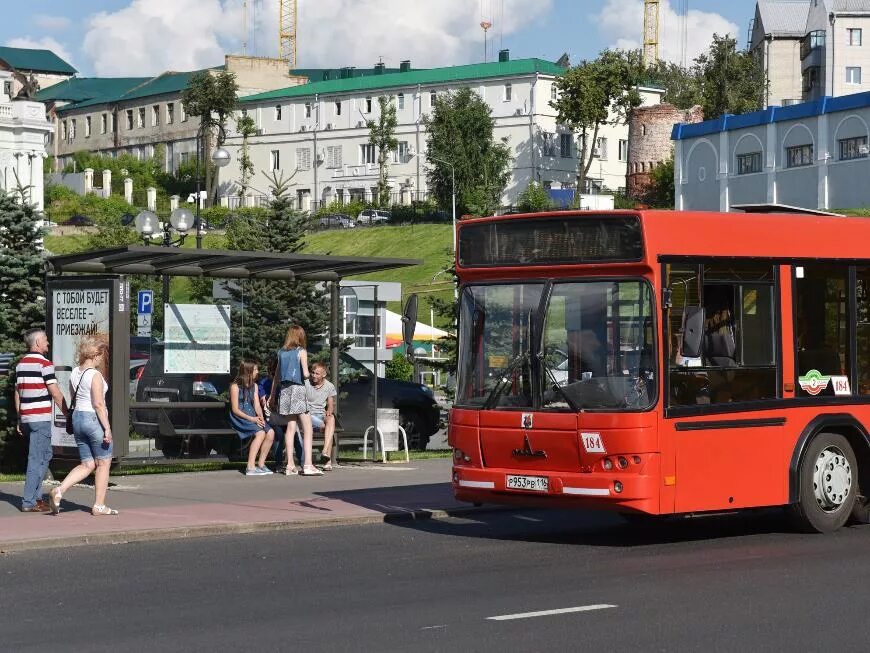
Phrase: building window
pixel 600 148
pixel 400 100
pixel 63 130
pixel 87 127
pixel 129 119
pixel 72 129
pixel 338 107
pixel 140 122
pixel 643 130
pixel 308 109
pixel 565 141
pixel 623 149
pixel 367 153
pixel 508 92
pixel 748 163
pixel 554 92
pixel 549 146
pixel 104 123
pixel 810 78
pixel 303 158
pixel 799 155
pixel 432 97
pixel 368 105
pixel 275 159
pixel 854 36
pixel 155 115
pixel 400 154
pixel 853 74
pixel 334 156
pixel 7 89
pixel 853 148
pixel 183 112
pixel 278 113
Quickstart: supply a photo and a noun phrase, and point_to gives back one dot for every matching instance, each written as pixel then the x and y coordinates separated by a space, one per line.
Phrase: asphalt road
pixel 713 584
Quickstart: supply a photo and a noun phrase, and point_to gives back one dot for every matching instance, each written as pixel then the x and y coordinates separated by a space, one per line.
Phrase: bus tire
pixel 828 481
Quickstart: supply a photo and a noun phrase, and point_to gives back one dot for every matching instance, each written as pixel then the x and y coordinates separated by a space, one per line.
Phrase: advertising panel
pixel 86 307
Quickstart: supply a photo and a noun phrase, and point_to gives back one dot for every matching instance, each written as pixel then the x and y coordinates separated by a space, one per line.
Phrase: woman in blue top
pixel 291 378
pixel 246 416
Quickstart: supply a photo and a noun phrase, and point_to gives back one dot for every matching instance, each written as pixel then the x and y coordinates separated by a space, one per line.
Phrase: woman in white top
pixel 91 428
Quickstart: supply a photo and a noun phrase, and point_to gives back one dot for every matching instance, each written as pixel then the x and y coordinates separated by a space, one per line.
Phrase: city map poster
pixel 75 313
pixel 197 339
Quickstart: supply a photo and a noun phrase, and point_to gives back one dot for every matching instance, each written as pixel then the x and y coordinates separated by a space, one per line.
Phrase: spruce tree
pixel 22 296
pixel 272 306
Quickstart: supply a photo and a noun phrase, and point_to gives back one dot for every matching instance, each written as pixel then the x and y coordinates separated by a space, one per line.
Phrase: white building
pixel 812 155
pixel 24 131
pixel 775 39
pixel 318 131
pixel 834 59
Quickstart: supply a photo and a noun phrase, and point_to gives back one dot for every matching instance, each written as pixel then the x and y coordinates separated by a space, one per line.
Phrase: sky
pixel 145 37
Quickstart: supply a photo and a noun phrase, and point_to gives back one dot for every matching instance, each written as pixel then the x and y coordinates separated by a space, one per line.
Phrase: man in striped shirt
pixel 36 388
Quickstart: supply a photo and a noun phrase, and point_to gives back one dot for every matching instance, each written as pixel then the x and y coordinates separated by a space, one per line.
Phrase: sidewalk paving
pixel 169 506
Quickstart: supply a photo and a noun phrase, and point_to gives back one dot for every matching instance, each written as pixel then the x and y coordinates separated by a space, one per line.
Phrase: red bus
pixel 664 362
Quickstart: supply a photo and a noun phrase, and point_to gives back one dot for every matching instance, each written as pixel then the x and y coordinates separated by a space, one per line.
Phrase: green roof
pixel 78 89
pixel 414 77
pixel 322 74
pixel 101 91
pixel 43 61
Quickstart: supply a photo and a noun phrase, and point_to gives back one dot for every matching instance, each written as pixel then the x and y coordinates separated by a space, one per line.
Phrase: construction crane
pixel 287 32
pixel 650 32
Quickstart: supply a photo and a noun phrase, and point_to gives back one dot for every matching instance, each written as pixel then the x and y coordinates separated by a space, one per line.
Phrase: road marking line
pixel 433 627
pixel 547 613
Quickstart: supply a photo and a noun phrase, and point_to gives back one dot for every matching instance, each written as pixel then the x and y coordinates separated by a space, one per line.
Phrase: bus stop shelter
pixel 89 292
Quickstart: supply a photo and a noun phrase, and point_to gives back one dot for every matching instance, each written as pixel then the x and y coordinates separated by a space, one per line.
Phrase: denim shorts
pixel 88 434
pixel 318 421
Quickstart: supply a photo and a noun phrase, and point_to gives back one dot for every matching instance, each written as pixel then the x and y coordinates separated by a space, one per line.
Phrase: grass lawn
pixel 431 243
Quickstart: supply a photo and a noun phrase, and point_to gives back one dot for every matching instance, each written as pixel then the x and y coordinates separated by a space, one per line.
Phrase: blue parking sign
pixel 146 302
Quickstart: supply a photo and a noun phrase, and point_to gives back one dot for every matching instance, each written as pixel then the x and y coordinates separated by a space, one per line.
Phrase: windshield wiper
pixel 502 383
pixel 573 406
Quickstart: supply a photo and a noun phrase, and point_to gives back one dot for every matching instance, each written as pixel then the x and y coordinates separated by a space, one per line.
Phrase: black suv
pixel 419 415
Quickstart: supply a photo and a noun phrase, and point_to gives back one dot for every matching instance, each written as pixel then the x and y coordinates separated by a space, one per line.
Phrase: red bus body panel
pixel 675 464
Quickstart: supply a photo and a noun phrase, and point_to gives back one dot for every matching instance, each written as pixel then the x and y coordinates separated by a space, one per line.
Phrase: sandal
pixel 54 497
pixel 291 471
pixel 103 510
pixel 311 471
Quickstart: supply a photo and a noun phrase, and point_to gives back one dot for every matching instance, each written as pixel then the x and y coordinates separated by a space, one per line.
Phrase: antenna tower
pixel 650 32
pixel 287 31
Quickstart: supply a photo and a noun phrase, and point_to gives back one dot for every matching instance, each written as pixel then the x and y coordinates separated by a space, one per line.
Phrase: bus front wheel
pixel 828 484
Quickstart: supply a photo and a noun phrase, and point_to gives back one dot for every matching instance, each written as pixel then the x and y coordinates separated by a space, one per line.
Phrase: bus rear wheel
pixel 828 484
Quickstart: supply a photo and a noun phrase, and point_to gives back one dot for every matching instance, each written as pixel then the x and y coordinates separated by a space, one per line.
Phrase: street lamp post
pixel 453 205
pixel 220 157
pixel 147 225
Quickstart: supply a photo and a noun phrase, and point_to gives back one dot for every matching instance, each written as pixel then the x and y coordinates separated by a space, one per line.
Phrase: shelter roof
pixel 223 264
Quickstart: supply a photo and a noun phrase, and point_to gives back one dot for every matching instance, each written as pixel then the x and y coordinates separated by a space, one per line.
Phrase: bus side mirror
pixel 693 331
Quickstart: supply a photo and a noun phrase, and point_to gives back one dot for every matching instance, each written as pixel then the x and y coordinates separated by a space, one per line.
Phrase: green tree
pixel 460 132
pixel 382 136
pixel 682 87
pixel 596 93
pixel 534 199
pixel 22 295
pixel 661 192
pixel 246 128
pixel 211 97
pixel 731 81
pixel 269 307
pixel 399 368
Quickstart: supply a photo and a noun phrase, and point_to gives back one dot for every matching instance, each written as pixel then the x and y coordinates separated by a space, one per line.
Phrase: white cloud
pixel 52 23
pixel 44 43
pixel 621 25
pixel 149 36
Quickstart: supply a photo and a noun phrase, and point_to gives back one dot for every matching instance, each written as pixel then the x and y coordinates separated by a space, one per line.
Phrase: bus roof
pixel 742 235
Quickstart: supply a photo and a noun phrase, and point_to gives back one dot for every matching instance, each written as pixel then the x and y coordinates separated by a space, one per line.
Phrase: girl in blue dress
pixel 246 416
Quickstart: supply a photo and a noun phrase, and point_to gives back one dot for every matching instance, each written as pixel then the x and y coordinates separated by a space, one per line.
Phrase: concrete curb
pixel 185 532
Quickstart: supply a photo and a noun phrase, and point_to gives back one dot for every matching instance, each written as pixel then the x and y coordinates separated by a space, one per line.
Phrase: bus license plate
pixel 533 483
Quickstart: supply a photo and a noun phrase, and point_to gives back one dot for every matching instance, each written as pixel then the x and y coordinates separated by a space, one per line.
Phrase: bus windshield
pixel 590 346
